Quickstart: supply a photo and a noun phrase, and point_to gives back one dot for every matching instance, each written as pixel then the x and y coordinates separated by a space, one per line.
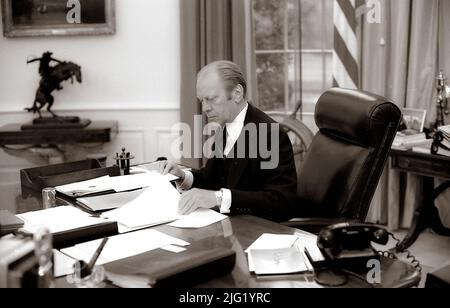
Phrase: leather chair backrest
pixel 344 163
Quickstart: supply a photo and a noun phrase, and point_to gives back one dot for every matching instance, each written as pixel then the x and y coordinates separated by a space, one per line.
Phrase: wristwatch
pixel 219 196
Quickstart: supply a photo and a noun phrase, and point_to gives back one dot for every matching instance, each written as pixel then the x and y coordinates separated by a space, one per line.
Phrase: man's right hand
pixel 165 167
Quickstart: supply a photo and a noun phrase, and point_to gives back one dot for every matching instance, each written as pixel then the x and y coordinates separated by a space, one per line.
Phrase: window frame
pixel 286 52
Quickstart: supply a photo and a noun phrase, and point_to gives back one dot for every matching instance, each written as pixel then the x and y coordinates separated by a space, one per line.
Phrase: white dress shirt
pixel 234 130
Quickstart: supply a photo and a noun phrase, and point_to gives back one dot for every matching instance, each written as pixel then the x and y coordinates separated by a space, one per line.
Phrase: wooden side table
pixel 101 131
pixel 428 167
pixel 47 142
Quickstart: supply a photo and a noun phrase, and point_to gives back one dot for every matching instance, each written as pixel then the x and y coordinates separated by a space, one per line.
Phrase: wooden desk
pixel 428 167
pixel 101 131
pixel 239 232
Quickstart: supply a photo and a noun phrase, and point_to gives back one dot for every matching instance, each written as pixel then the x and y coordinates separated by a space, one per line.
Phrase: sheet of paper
pixel 173 248
pixel 58 219
pixel 77 189
pixel 109 202
pixel 279 261
pixel 144 169
pixel 123 246
pixel 158 204
pixel 273 241
pixel 198 219
pixel 117 183
pixel 63 264
pixel 269 241
pixel 129 281
pixel 140 180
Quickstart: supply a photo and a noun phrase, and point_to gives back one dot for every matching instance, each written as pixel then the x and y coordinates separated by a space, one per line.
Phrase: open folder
pixel 107 184
pixel 109 201
pixel 278 254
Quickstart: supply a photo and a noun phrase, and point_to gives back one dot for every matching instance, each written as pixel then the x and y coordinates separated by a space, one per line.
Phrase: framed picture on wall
pixel 30 18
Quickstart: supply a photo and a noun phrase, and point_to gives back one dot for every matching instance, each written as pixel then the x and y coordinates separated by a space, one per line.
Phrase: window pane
pixel 328 24
pixel 293 24
pixel 312 24
pixel 270 74
pixel 294 81
pixel 312 77
pixel 268 23
pixel 328 70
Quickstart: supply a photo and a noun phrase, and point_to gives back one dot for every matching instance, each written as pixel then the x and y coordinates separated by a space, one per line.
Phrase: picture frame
pixel 413 119
pixel 43 18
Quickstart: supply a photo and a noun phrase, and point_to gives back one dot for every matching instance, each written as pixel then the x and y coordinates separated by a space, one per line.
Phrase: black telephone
pixel 348 245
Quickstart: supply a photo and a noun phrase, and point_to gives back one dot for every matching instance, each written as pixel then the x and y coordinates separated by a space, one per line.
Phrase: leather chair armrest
pixel 314 225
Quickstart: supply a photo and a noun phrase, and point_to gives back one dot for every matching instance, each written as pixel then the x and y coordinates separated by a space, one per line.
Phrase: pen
pixel 97 254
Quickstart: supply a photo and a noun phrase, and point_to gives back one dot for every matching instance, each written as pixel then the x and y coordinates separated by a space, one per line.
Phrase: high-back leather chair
pixel 346 158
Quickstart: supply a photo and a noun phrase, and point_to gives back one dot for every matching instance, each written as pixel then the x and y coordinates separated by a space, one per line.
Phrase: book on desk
pixel 163 269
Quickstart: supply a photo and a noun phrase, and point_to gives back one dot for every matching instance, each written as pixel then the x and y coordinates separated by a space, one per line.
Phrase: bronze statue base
pixel 57 123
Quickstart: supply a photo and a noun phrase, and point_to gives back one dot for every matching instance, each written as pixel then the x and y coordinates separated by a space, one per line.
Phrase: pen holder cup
pixel 95 279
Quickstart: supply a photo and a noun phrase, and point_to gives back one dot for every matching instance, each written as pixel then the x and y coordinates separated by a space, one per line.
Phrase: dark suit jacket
pixel 271 193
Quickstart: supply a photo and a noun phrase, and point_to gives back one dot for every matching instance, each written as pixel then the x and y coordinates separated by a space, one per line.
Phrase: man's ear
pixel 238 94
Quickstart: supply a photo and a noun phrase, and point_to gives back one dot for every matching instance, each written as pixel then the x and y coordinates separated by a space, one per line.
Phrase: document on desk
pixel 152 168
pixel 157 204
pixel 58 219
pixel 113 184
pixel 198 219
pixel 63 265
pixel 140 180
pixel 110 201
pixel 83 188
pixel 278 254
pixel 123 246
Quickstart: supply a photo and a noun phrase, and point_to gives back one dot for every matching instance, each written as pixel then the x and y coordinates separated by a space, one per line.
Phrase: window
pixel 286 70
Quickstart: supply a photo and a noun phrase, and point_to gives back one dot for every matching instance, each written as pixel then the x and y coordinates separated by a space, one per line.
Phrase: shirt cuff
pixel 226 201
pixel 187 182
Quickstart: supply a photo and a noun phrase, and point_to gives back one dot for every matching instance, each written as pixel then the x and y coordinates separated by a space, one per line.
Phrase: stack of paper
pixel 273 254
pixel 113 184
pixel 406 142
pixel 444 145
pixel 58 219
pixel 156 205
pixel 110 201
pixel 123 246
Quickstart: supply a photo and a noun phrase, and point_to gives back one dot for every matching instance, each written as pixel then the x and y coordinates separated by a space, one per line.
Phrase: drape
pixel 212 30
pixel 401 56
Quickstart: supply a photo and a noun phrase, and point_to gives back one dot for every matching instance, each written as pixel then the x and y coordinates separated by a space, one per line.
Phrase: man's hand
pixel 195 199
pixel 165 167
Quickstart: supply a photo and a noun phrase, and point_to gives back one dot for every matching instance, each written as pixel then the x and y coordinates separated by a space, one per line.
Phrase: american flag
pixel 346 51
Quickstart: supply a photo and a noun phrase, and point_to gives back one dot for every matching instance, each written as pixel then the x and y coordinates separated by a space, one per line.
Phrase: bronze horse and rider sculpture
pixel 51 79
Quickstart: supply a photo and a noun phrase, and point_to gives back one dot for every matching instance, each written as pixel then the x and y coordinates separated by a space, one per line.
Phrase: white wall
pixel 138 67
pixel 132 76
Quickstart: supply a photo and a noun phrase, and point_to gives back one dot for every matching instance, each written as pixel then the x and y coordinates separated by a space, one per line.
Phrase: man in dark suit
pixel 252 170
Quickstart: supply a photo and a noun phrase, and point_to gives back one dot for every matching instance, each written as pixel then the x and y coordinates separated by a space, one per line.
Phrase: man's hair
pixel 230 73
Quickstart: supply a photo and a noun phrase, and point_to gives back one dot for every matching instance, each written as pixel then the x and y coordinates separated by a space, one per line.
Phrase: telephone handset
pixel 349 244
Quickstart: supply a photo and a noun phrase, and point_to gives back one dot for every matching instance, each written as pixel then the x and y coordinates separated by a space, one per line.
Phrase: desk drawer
pixel 423 166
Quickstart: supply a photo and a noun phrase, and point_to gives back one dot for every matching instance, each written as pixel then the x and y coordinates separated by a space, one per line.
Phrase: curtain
pixel 444 64
pixel 401 56
pixel 212 30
